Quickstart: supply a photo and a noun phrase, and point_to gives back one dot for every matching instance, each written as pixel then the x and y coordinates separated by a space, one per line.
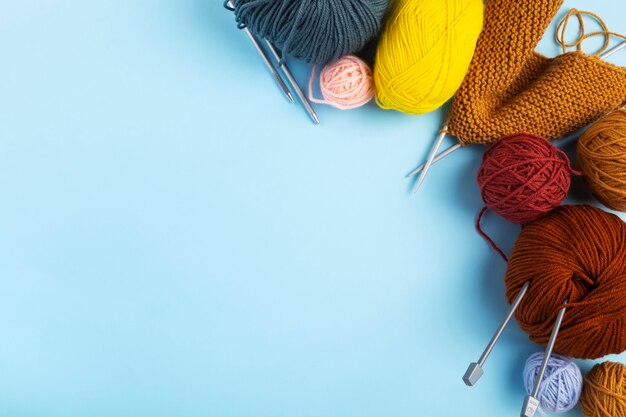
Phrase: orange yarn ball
pixel 602 157
pixel 578 254
pixel 604 392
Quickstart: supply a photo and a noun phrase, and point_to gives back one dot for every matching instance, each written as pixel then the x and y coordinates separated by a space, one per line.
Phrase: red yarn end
pixel 486 236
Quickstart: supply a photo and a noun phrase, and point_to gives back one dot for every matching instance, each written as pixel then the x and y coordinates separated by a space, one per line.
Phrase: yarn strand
pixel 559 35
pixel 487 237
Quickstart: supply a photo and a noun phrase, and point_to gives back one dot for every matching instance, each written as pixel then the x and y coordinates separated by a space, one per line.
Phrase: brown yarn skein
pixel 578 254
pixel 602 157
pixel 604 392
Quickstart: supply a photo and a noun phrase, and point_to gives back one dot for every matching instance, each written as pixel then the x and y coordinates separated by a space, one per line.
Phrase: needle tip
pixel 290 98
pixel 410 174
pixel 418 185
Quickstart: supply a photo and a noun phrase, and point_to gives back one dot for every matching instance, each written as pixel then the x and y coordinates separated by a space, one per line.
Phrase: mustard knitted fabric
pixel 510 88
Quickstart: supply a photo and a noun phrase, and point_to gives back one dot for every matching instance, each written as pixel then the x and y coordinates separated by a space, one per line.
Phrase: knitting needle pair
pixel 434 156
pixel 281 64
pixel 475 369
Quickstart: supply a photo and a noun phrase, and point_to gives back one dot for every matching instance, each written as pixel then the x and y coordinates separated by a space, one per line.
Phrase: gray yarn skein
pixel 317 31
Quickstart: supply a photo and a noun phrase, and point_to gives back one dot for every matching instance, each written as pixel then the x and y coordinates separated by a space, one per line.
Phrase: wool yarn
pixel 602 157
pixel 561 385
pixel 317 31
pixel 604 394
pixel 522 177
pixel 575 254
pixel 511 88
pixel 345 84
pixel 424 52
pixel 559 35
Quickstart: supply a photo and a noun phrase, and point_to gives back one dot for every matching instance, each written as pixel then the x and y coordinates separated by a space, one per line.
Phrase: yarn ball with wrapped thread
pixel 604 393
pixel 523 177
pixel 602 158
pixel 575 254
pixel 345 84
pixel 561 386
pixel 424 52
pixel 317 31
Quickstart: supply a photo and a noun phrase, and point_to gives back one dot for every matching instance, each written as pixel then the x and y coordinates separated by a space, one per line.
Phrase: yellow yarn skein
pixel 424 52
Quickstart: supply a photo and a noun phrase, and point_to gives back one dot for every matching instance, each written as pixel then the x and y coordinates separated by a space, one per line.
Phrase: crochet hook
pixel 457 146
pixel 475 369
pixel 294 84
pixel 531 403
pixel 266 59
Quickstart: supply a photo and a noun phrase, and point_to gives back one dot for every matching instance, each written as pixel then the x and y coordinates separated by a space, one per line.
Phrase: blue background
pixel 176 239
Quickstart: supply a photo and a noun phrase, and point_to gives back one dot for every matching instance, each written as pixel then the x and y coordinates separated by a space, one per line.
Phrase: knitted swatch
pixel 510 88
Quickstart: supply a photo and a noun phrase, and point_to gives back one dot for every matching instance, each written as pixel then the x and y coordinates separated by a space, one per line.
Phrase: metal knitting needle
pixel 294 84
pixel 424 168
pixel 437 158
pixel 613 50
pixel 269 65
pixel 531 403
pixel 265 58
pixel 475 369
pixel 457 146
pixel 431 157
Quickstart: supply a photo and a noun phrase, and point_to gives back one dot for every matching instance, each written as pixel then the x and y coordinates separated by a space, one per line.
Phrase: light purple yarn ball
pixel 562 383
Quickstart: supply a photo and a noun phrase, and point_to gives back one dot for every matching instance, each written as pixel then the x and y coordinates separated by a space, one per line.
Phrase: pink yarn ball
pixel 345 84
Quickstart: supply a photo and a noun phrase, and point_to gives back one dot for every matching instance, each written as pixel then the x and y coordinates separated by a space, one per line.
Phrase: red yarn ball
pixel 523 177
